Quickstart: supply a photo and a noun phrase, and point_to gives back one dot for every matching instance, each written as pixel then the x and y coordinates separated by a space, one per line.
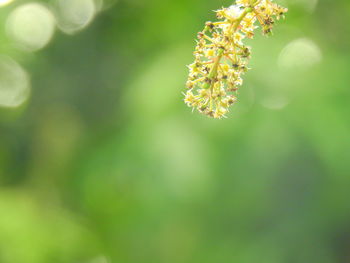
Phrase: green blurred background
pixel 101 161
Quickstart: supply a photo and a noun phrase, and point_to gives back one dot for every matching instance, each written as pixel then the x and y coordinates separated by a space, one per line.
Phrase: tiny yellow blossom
pixel 210 53
pixel 220 112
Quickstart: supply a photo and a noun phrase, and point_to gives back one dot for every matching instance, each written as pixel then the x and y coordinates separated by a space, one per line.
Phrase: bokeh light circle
pixel 74 15
pixel 300 54
pixel 5 2
pixel 31 26
pixel 14 83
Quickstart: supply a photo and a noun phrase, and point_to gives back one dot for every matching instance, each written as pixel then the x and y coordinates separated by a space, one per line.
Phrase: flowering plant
pixel 221 56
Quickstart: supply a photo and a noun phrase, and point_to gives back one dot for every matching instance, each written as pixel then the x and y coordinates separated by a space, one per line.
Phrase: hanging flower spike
pixel 221 58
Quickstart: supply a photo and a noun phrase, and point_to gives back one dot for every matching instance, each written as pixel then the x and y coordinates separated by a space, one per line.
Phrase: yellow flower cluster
pixel 221 57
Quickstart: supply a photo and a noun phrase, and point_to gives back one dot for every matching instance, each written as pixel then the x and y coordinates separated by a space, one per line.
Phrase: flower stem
pixel 214 70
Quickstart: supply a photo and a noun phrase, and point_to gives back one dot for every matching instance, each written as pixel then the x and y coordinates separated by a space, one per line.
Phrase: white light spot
pixel 274 102
pixel 31 26
pixel 74 15
pixel 234 11
pixel 301 53
pixel 5 2
pixel 14 83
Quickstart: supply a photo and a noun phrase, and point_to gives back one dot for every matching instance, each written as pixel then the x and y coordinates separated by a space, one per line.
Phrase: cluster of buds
pixel 221 57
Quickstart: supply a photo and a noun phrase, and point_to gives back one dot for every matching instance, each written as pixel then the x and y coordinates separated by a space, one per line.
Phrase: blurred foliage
pixel 104 162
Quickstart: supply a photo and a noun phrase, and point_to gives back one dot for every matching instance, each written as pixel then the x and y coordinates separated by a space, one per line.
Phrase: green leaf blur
pixel 101 161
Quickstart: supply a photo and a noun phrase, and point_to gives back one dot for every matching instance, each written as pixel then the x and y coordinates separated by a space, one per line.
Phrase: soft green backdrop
pixel 104 163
